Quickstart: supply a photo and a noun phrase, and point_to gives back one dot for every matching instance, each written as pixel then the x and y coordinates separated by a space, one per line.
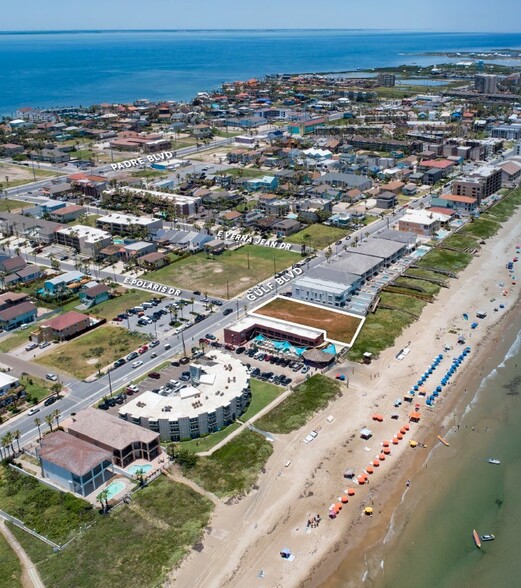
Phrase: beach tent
pixel 368 510
pixel 349 473
pixel 285 553
pixel 365 433
pixel 465 316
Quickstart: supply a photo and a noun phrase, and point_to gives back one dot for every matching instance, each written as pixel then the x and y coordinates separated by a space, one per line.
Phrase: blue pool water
pixel 114 488
pixel 135 468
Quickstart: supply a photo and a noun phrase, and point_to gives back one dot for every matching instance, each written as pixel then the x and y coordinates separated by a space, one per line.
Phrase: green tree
pixel 16 436
pixel 49 419
pixel 38 424
pixel 186 459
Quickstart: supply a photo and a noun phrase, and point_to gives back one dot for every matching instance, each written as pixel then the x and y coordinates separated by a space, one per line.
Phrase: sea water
pixel 428 542
pixel 82 68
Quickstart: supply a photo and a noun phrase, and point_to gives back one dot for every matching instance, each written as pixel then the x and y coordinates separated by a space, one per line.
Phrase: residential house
pixel 67 213
pixel 152 261
pixel 386 200
pixel 73 464
pixel 26 275
pixel 10 149
pixel 230 217
pixel 422 222
pixel 286 227
pixel 8 265
pixel 346 181
pixel 10 390
pixel 95 295
pixel 64 327
pixel 454 202
pixel 59 284
pixel 126 441
pixel 137 249
pixel 15 315
pixel 510 171
pixel 35 229
pixel 50 156
pixel 263 183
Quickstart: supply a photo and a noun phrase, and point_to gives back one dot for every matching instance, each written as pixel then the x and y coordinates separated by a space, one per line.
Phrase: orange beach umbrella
pixel 351 492
pixel 381 457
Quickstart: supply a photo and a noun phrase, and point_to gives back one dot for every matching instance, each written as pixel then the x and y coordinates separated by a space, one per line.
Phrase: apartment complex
pixel 481 184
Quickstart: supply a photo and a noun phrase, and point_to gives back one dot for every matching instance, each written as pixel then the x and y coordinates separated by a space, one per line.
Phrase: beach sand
pixel 246 536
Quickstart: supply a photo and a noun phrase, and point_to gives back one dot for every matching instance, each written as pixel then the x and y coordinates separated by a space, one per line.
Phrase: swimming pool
pixel 135 468
pixel 114 488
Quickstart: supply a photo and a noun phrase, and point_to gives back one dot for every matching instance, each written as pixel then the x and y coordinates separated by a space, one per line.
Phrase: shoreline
pixel 273 515
pixel 377 535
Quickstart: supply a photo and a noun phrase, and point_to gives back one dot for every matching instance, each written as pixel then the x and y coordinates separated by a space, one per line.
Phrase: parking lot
pixel 261 365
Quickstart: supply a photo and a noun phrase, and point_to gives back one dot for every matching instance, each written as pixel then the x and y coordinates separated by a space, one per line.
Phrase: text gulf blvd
pixel 248 240
pixel 287 276
pixel 159 288
pixel 154 158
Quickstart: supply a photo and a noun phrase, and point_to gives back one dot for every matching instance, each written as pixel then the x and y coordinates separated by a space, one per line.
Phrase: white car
pixel 32 411
pixel 136 364
pixel 31 346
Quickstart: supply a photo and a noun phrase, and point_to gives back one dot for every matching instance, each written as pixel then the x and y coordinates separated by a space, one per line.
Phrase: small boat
pixel 444 441
pixel 488 537
pixel 493 461
pixel 476 538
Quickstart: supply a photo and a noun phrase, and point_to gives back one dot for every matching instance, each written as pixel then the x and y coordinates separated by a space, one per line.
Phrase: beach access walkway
pixel 30 575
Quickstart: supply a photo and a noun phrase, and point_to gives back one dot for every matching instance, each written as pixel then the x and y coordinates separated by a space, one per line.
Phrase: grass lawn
pixel 7 205
pixel 460 241
pixel 206 443
pixel 444 259
pixel 245 172
pixel 338 325
pixel 197 272
pixel 89 220
pixel 403 302
pixel 233 469
pixel 17 338
pixel 140 542
pixel 79 356
pixel 503 210
pixel 428 287
pixel 424 273
pixel 36 387
pixel 149 173
pixel 379 332
pixel 10 569
pixel 292 413
pixel 317 236
pixel 481 228
pixel 262 394
pixel 119 304
pixel 56 515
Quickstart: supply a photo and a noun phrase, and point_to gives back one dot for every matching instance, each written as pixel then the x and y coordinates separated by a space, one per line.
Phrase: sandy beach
pixel 246 536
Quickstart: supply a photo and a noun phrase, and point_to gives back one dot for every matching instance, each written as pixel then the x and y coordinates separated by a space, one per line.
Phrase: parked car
pixel 50 400
pixel 196 293
pixel 154 343
pixel 119 362
pixel 44 345
pixel 132 355
pixel 143 349
pixel 31 346
pixel 132 389
pixel 305 369
pixel 154 375
pixel 240 350
pixel 117 319
pixel 51 376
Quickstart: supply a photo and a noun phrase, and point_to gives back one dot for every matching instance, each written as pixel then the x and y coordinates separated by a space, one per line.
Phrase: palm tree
pixel 102 498
pixel 139 475
pixel 56 414
pixel 56 389
pixel 38 423
pixel 49 420
pixel 7 443
pixel 16 435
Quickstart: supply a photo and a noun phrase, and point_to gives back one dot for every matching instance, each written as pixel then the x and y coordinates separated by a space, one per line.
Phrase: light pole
pixel 110 382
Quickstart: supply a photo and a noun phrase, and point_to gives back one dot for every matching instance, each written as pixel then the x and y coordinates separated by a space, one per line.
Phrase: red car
pixel 117 319
pixel 142 350
pixel 154 375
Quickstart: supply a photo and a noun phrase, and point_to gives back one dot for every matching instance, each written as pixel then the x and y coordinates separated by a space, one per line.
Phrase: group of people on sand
pixel 313 522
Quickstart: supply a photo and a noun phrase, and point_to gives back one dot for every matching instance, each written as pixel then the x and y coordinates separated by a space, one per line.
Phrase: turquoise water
pixel 72 68
pixel 135 468
pixel 114 488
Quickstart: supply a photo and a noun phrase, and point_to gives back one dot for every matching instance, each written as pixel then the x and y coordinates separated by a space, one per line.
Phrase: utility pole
pixel 183 342
pixel 227 289
pixel 248 257
pixel 110 382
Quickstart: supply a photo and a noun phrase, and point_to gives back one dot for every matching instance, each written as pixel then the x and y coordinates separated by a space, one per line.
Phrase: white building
pixel 185 205
pixel 7 383
pixel 86 240
pixel 127 224
pixel 218 393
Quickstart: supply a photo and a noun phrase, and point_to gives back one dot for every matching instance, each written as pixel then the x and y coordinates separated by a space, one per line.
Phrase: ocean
pixel 428 542
pixel 81 68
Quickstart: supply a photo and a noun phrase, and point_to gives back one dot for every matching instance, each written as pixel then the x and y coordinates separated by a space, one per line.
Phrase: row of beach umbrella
pixel 456 363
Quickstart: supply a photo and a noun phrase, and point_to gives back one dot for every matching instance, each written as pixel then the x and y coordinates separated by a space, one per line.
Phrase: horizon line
pixel 261 29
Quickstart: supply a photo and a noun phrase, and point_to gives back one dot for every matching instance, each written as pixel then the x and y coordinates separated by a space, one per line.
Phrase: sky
pixel 441 15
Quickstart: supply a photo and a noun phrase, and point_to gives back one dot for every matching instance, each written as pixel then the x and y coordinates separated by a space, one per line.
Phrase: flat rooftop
pixel 89 234
pixel 281 325
pixel 126 219
pixel 180 198
pixel 216 388
pixel 356 263
pixel 383 248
